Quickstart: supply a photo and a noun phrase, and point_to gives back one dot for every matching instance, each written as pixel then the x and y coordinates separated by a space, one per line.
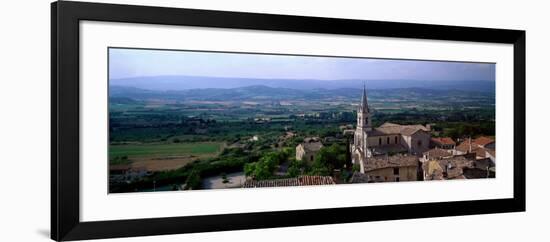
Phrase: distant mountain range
pixel 178 83
pixel 122 94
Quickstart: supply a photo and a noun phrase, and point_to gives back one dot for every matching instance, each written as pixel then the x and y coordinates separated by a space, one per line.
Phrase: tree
pixel 330 158
pixel 193 180
pixel 319 170
pixel 265 166
pixel 296 168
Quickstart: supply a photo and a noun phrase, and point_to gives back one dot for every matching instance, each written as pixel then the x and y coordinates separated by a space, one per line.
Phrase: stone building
pixel 458 167
pixel 436 153
pixel 483 147
pixel 443 143
pixel 389 138
pixel 307 150
pixel 385 168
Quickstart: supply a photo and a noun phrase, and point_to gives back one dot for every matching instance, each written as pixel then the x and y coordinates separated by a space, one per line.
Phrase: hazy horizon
pixel 145 63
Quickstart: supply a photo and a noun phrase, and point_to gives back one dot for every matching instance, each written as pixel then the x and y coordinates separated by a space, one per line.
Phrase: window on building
pixel 379 141
pixel 396 139
pixel 388 140
pixel 397 179
pixel 419 143
pixel 396 171
pixel 311 158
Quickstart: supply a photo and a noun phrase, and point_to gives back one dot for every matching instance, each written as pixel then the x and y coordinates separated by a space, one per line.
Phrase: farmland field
pixel 189 120
pixel 164 156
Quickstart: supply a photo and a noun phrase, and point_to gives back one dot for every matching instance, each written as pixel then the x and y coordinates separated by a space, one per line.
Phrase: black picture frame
pixel 65 221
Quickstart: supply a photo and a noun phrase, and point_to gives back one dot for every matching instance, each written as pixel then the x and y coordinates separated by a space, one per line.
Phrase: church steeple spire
pixel 363 112
pixel 364 104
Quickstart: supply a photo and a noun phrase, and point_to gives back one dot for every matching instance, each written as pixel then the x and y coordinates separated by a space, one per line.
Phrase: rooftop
pixel 453 167
pixel 444 141
pixel 483 141
pixel 437 153
pixel 312 146
pixel 287 182
pixel 392 148
pixel 386 161
pixel 391 128
pixel 478 150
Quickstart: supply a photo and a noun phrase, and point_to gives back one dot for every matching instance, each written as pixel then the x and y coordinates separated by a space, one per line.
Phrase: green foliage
pixel 164 149
pixel 356 167
pixel 196 129
pixel 193 180
pixel 345 175
pixel 332 157
pixel 461 130
pixel 319 170
pixel 266 165
pixel 296 168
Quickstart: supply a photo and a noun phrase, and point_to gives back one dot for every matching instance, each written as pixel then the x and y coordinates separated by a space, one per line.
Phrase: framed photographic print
pixel 169 120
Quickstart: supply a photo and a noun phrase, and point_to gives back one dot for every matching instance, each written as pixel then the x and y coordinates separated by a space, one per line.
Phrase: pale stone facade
pixel 388 139
pixel 307 150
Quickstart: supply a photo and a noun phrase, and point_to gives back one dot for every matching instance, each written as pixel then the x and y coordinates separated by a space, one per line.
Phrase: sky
pixel 128 63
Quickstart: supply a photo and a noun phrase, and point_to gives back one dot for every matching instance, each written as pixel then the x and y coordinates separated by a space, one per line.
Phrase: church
pixel 371 144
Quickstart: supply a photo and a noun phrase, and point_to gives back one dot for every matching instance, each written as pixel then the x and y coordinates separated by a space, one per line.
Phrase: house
pixel 443 143
pixel 446 168
pixel 308 149
pixel 436 153
pixel 481 168
pixel 485 142
pixel 387 168
pixel 482 147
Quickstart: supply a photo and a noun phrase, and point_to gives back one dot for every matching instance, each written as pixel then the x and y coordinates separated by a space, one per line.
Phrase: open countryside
pixel 194 132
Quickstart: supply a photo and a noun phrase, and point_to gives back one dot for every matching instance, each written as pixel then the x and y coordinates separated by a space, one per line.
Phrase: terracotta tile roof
pixel 386 161
pixel 480 142
pixel 388 124
pixel 437 153
pixel 299 181
pixel 391 128
pixel 444 141
pixel 452 166
pixel 483 141
pixel 393 148
pixel 479 151
pixel 464 146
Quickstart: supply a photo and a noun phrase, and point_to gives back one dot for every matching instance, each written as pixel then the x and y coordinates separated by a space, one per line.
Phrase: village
pixel 396 153
pixel 297 150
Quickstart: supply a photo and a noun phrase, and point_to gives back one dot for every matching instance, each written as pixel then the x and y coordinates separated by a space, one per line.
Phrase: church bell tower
pixel 363 113
pixel 360 142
